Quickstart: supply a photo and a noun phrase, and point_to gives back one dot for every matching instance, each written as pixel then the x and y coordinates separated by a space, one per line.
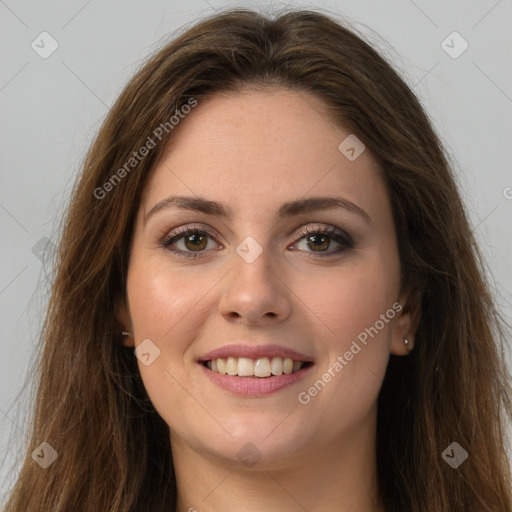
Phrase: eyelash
pixel 335 234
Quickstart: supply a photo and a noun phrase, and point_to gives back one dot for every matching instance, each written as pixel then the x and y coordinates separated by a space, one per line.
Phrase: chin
pixel 257 445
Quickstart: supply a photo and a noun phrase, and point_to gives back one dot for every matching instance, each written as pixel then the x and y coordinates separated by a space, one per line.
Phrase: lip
pixel 255 386
pixel 254 352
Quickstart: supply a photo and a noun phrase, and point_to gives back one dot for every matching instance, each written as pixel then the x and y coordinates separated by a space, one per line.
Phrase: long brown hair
pixel 91 406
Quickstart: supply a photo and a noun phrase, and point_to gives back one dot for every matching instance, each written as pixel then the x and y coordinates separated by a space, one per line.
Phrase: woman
pixel 268 295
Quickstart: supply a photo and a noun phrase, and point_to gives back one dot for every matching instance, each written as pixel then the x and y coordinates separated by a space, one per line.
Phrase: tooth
pixel 287 365
pixel 245 367
pixel 221 366
pixel 262 367
pixel 231 366
pixel 276 365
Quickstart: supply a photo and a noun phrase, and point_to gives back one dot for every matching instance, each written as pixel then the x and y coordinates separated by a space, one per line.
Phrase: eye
pixel 193 241
pixel 319 239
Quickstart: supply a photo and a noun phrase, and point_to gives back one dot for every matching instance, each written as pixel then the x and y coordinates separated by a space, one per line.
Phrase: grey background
pixel 51 108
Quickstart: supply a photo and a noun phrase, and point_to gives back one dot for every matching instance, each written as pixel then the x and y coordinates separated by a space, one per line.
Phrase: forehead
pixel 253 147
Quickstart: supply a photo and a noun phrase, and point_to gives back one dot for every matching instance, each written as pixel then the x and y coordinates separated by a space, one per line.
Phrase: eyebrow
pixel 291 208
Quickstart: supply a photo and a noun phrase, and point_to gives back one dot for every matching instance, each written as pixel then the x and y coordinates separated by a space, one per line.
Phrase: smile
pixel 262 367
pixel 254 370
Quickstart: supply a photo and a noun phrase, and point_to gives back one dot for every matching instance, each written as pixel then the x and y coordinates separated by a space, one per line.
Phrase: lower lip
pixel 255 386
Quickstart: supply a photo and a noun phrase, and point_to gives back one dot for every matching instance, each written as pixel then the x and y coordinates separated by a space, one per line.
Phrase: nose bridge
pixel 254 290
pixel 253 267
pixel 253 262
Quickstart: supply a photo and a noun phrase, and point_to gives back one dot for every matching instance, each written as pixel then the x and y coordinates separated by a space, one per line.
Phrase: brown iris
pixel 324 244
pixel 197 241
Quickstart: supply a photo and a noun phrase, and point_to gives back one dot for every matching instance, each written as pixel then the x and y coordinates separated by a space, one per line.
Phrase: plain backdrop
pixel 52 107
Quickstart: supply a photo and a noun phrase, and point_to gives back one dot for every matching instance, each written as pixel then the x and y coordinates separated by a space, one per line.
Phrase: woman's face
pixel 267 274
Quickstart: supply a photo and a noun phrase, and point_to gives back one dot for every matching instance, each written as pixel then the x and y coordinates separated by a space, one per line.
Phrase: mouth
pixel 261 368
pixel 255 370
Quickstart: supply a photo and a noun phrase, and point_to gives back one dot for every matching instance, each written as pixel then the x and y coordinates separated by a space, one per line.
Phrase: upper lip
pixel 254 352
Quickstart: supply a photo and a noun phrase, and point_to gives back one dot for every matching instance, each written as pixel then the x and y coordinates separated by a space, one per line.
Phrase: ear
pixel 406 322
pixel 122 315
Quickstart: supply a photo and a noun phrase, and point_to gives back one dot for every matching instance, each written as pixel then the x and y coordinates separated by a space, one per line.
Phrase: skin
pixel 255 151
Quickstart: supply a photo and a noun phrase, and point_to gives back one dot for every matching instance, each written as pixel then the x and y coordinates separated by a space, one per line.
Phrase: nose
pixel 255 293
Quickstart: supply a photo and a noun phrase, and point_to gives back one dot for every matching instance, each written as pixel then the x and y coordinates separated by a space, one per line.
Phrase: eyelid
pixel 327 229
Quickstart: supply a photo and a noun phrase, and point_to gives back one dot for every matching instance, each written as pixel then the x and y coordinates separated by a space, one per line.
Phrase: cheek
pixel 164 305
pixel 168 307
pixel 352 298
pixel 355 306
pixel 347 304
pixel 162 300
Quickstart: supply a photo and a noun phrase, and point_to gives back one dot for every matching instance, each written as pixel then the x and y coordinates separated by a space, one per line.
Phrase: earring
pixel 406 343
pixel 124 333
